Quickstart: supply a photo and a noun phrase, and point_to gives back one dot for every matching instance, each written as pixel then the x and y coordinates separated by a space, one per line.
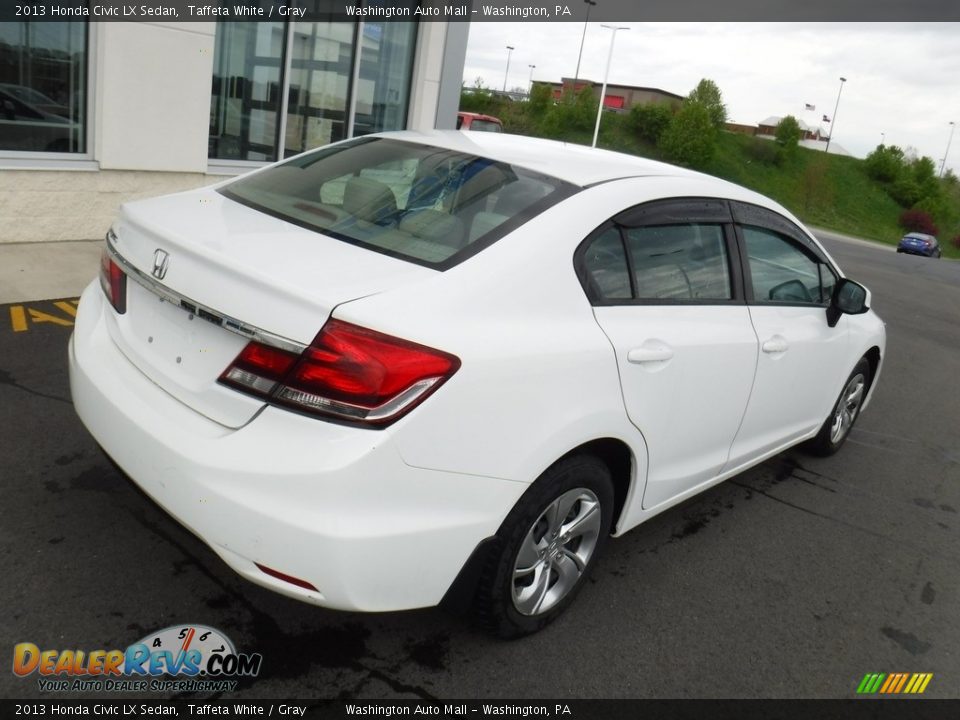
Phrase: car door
pixel 789 283
pixel 665 284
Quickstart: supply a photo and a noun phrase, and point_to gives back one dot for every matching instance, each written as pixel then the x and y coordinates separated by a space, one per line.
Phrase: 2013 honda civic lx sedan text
pixel 412 367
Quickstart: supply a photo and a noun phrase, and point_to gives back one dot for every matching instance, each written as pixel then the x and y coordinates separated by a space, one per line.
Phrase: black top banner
pixel 493 709
pixel 480 10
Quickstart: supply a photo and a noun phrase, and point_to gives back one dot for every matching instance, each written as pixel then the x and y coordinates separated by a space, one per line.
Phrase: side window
pixel 606 268
pixel 679 262
pixel 782 272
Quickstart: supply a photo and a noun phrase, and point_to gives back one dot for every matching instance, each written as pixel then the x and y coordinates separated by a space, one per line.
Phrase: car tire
pixel 532 572
pixel 836 428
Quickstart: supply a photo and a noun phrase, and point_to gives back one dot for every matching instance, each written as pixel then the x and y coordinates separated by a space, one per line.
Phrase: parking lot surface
pixel 793 579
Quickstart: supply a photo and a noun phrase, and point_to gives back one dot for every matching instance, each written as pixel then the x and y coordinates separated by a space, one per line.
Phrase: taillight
pixel 348 372
pixel 114 282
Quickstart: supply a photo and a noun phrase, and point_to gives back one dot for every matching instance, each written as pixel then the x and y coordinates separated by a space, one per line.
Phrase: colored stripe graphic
pixel 894 683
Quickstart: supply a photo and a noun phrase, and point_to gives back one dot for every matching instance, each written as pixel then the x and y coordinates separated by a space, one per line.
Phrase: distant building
pixel 769 127
pixel 619 97
pixel 741 128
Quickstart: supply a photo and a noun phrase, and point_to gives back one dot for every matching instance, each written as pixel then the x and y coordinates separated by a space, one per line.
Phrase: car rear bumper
pixel 332 505
pixel 915 251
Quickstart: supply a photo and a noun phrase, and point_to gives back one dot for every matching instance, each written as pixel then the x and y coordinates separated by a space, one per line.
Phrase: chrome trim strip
pixel 194 308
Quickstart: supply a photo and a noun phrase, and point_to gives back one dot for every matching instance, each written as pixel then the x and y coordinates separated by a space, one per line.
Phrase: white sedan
pixel 417 367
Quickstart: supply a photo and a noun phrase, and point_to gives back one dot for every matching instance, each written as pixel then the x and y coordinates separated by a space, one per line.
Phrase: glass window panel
pixel 680 262
pixel 782 272
pixel 607 275
pixel 403 199
pixel 246 91
pixel 320 69
pixel 43 86
pixel 386 63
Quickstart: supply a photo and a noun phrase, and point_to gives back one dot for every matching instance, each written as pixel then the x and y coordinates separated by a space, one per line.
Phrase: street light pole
pixel 833 120
pixel 944 163
pixel 530 84
pixel 883 137
pixel 576 75
pixel 510 49
pixel 606 74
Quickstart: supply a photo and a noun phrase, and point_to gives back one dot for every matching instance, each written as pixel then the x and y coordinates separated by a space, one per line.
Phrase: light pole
pixel 606 74
pixel 944 163
pixel 530 84
pixel 576 75
pixel 883 136
pixel 833 120
pixel 510 49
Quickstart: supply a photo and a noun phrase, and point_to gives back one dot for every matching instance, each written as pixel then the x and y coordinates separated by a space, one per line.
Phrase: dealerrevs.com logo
pixel 180 658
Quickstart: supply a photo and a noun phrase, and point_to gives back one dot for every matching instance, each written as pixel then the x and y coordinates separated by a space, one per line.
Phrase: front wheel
pixel 546 547
pixel 835 429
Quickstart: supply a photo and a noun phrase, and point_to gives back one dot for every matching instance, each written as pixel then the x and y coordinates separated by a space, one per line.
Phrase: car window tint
pixel 608 277
pixel 679 262
pixel 411 201
pixel 781 272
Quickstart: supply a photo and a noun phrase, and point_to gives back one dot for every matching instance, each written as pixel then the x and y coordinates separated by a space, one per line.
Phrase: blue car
pixel 919 244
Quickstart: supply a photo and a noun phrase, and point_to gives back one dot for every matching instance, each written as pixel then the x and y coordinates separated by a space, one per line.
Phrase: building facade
pixel 95 114
pixel 618 97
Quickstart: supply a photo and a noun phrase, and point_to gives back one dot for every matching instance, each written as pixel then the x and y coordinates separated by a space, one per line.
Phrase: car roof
pixel 922 236
pixel 576 164
pixel 477 116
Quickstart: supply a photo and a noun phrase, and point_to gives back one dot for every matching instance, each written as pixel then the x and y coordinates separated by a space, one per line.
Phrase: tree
pixel 886 163
pixel 541 98
pixel 690 138
pixel 788 133
pixel 650 120
pixel 707 94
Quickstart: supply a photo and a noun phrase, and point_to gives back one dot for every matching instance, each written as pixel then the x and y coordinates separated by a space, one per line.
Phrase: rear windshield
pixel 428 205
pixel 487 125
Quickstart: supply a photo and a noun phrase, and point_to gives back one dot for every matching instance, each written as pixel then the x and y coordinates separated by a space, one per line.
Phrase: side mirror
pixel 849 298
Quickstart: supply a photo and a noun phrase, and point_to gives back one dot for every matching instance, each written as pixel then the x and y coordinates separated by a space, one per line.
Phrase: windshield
pixel 428 205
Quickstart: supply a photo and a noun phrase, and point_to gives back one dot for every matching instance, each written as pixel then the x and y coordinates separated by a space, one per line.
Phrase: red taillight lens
pixel 258 368
pixel 347 372
pixel 114 282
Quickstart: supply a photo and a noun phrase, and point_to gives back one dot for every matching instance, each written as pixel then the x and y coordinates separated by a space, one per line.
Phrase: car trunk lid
pixel 206 274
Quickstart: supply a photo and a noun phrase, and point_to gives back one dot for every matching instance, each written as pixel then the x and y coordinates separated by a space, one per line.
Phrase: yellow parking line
pixel 67 308
pixel 18 318
pixel 41 317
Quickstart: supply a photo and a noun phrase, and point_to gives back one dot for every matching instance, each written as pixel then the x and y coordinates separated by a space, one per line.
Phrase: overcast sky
pixel 903 79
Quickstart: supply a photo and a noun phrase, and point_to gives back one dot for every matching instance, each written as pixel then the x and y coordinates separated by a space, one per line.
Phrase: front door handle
pixel 650 353
pixel 775 345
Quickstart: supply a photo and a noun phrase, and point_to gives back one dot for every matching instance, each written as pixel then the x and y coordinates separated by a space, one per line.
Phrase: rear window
pixel 424 204
pixel 485 125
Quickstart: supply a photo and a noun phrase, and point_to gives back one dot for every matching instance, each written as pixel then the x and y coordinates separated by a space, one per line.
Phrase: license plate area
pixel 184 353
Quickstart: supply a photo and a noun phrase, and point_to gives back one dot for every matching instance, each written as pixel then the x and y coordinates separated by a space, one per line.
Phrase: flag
pixel 808 106
pixel 826 119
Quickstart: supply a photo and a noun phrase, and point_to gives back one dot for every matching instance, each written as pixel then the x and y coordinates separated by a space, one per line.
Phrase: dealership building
pixel 93 114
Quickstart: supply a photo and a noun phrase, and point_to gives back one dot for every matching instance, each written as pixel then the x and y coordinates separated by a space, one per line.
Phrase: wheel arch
pixel 873 357
pixel 620 461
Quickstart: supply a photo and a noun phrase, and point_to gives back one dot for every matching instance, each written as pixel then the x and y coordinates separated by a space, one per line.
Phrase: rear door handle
pixel 650 353
pixel 776 344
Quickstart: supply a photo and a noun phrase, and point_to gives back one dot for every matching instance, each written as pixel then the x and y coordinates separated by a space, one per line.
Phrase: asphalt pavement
pixel 793 579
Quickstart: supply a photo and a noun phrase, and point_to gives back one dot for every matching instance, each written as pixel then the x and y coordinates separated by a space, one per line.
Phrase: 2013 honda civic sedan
pixel 413 367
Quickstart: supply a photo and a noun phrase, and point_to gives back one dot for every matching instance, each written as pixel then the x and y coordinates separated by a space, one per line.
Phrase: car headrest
pixel 369 200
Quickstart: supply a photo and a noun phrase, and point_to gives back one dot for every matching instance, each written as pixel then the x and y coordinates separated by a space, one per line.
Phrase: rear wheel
pixel 546 547
pixel 835 429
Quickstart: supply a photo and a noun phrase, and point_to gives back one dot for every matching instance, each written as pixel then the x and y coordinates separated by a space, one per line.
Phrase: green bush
pixel 690 138
pixel 649 121
pixel 885 163
pixel 761 150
